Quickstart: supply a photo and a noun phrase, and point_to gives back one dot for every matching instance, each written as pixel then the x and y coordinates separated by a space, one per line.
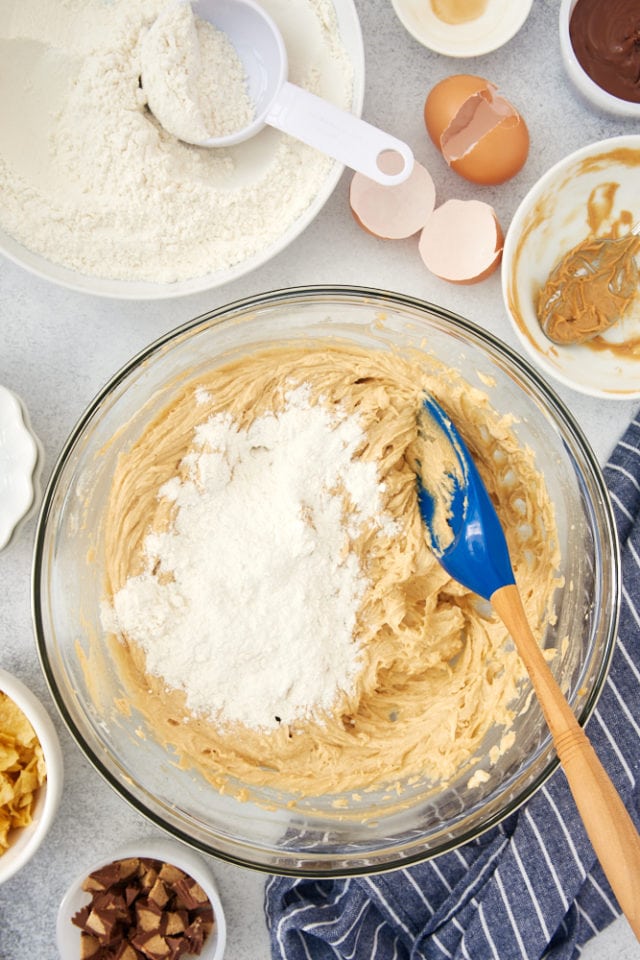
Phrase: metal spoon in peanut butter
pixel 590 289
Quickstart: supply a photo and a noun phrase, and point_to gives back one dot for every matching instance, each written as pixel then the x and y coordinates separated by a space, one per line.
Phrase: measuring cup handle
pixel 337 133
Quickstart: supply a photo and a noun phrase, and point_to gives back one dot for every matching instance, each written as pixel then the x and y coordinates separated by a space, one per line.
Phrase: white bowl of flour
pixel 99 198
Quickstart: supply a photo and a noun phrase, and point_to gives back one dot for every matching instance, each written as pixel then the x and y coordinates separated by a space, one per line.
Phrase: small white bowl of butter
pixel 462 28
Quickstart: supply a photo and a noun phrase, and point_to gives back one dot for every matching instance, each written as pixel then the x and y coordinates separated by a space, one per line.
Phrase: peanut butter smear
pixel 606 41
pixel 458 11
pixel 590 289
pixel 438 673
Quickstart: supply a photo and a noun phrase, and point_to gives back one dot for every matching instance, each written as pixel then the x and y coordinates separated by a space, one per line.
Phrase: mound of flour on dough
pixel 90 180
pixel 248 602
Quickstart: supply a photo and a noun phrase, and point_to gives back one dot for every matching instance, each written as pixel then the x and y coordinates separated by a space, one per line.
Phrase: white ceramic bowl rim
pixel 29 838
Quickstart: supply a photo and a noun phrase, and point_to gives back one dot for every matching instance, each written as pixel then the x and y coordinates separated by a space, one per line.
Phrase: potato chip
pixel 13 722
pixel 9 756
pixel 22 769
pixel 6 789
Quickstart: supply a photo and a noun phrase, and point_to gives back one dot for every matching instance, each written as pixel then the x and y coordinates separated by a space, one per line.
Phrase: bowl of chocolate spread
pixel 600 45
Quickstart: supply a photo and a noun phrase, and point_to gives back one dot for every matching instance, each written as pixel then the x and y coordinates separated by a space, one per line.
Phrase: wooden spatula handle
pixel 606 819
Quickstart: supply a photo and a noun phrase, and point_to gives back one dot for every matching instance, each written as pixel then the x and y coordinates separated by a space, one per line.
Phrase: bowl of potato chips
pixel 31 773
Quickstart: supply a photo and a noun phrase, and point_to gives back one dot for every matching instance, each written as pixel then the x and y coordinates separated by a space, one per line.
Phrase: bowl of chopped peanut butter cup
pixel 153 899
pixel 237 609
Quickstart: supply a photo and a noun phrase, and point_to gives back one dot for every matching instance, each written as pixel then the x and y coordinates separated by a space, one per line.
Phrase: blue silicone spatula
pixel 473 550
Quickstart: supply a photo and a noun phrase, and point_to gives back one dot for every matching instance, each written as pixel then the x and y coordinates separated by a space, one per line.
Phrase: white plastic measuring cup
pixel 295 111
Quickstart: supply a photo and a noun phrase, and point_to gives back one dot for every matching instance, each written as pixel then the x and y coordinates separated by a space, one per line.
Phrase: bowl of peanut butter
pixel 571 270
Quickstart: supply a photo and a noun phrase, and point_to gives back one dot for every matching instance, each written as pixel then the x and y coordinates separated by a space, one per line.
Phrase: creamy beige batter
pixel 438 670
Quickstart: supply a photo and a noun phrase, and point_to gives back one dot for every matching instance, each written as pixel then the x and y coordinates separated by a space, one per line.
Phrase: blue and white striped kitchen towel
pixel 528 889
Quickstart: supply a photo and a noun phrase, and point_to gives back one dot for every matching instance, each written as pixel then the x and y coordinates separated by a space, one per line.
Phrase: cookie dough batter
pixel 436 670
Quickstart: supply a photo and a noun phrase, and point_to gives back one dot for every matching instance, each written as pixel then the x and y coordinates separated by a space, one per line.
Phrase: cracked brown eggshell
pixel 462 241
pixel 393 212
pixel 479 132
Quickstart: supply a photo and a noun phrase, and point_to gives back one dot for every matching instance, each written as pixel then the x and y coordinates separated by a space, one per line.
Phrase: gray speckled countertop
pixel 59 347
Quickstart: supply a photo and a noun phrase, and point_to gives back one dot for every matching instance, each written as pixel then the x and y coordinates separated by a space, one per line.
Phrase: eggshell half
pixel 395 212
pixel 446 98
pixel 479 133
pixel 462 241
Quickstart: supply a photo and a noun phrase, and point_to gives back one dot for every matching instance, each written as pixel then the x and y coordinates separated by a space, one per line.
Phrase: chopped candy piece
pixel 89 946
pixel 143 909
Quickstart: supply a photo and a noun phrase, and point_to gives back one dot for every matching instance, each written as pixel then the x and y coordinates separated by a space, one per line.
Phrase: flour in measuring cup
pixel 248 601
pixel 193 78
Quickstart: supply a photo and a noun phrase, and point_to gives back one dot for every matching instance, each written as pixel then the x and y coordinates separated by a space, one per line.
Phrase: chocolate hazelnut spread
pixel 606 40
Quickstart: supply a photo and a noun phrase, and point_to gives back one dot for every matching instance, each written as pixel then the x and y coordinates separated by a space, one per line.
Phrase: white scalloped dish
pixel 19 460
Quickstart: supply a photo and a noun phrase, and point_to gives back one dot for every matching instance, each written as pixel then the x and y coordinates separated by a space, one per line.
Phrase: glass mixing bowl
pixel 316 836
